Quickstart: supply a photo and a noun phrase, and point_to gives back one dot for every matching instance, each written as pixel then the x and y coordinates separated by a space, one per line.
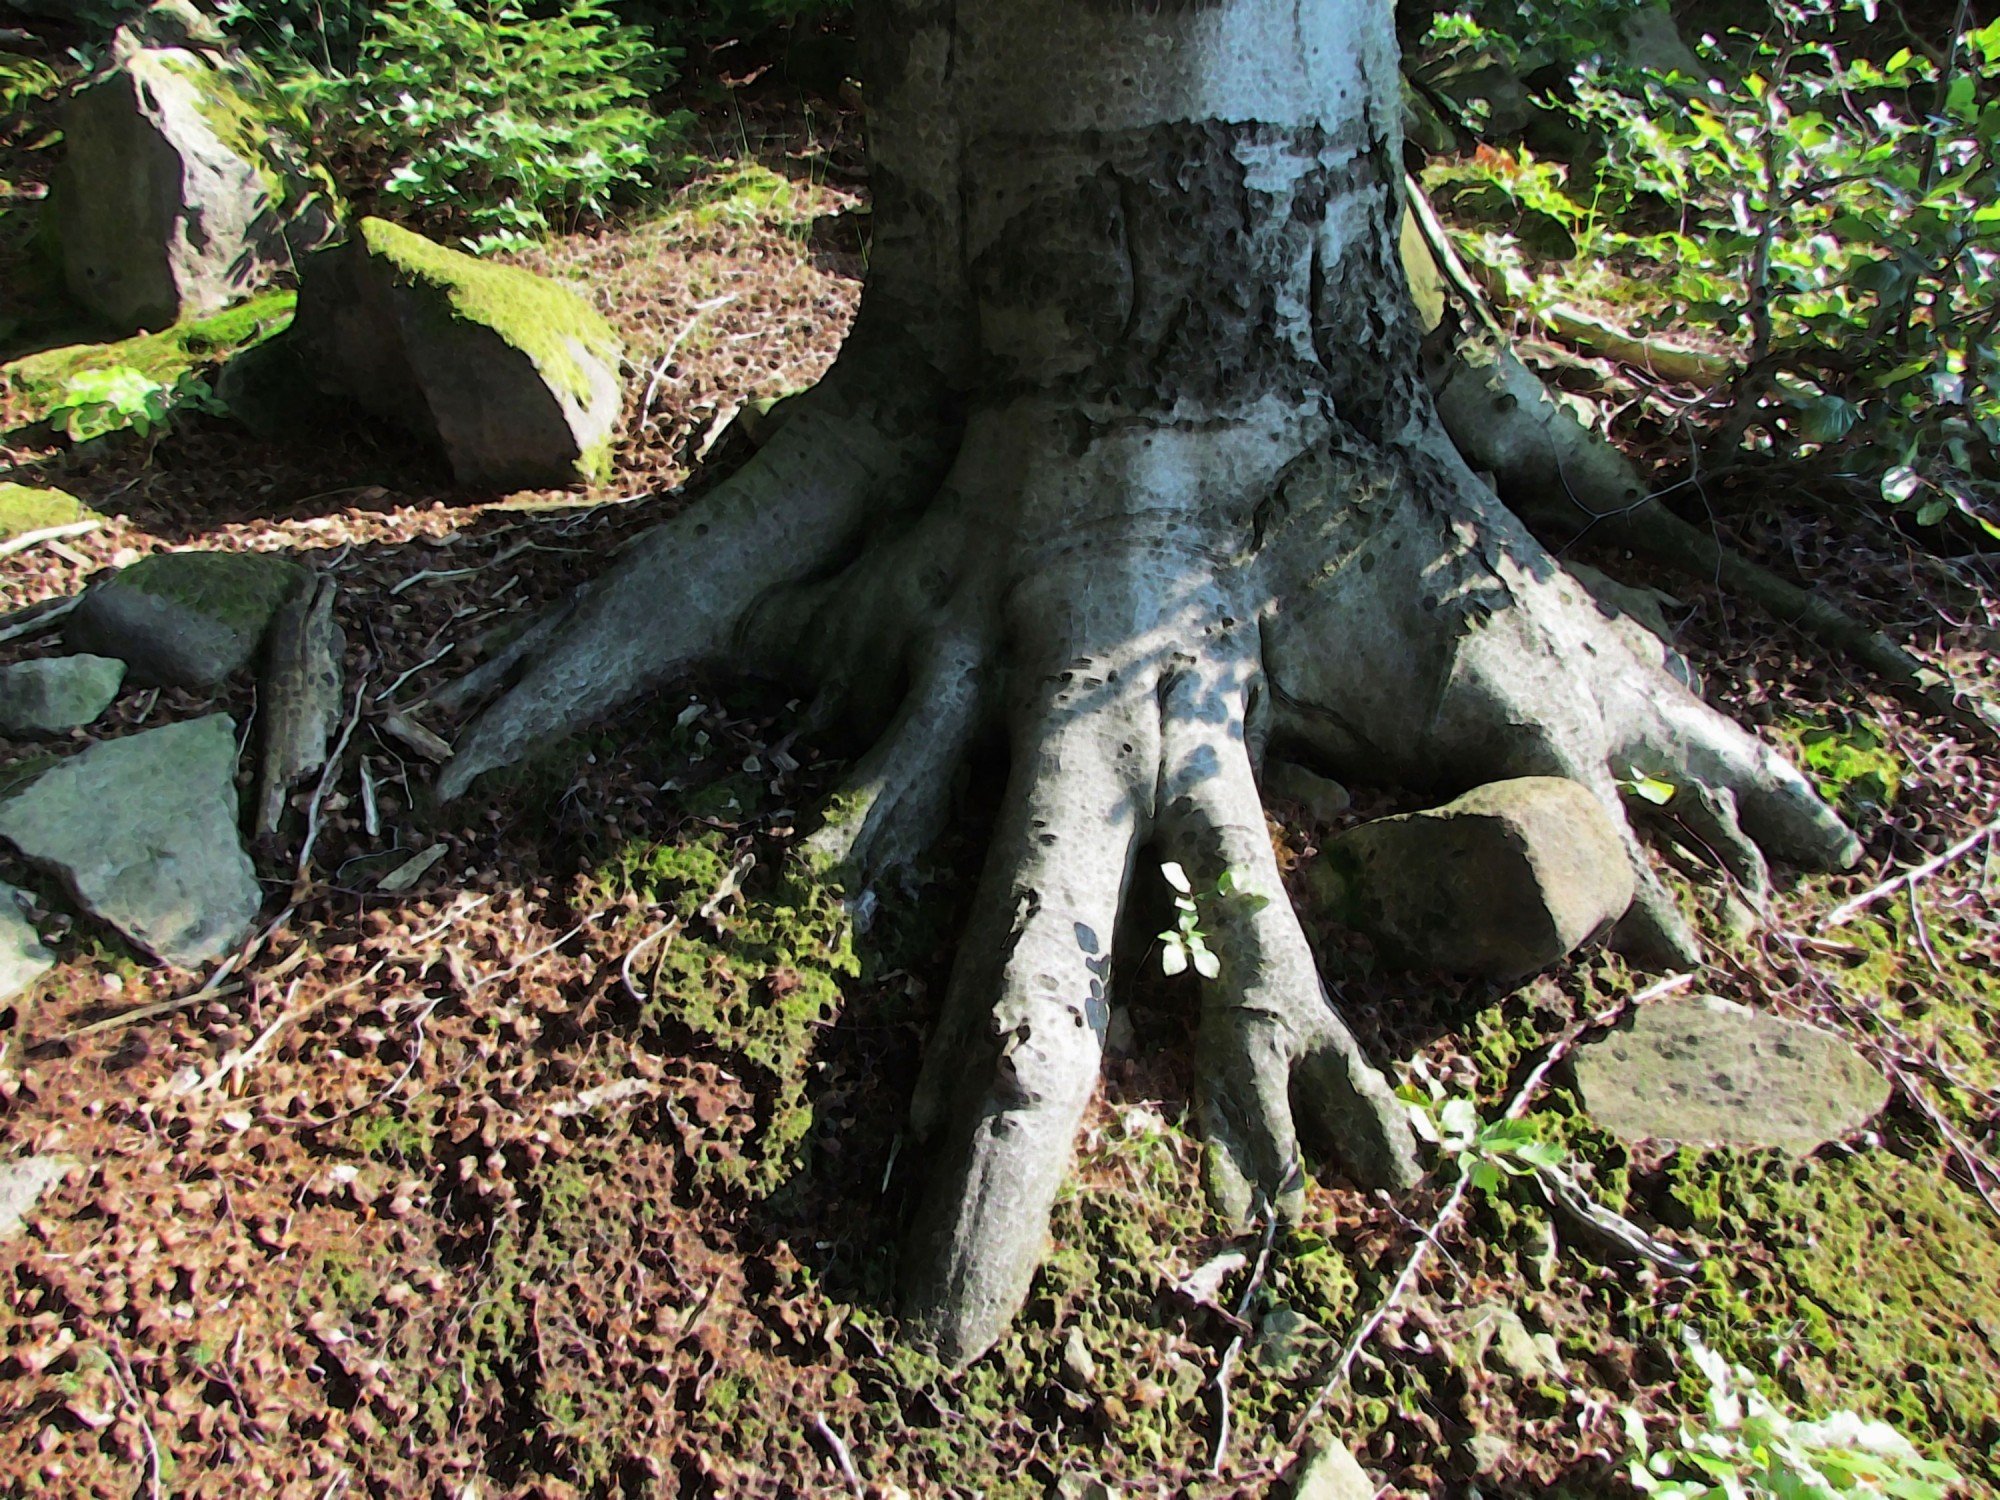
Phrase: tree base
pixel 1141 606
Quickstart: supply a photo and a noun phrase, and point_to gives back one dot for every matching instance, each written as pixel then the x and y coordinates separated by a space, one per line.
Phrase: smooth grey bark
pixel 1131 459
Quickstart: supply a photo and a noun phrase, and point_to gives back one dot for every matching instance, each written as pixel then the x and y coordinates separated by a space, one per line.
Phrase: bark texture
pixel 1130 458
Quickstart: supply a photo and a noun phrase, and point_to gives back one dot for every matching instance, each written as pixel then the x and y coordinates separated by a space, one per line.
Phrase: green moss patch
pixel 38 380
pixel 1870 1282
pixel 238 589
pixel 24 509
pixel 534 315
pixel 761 990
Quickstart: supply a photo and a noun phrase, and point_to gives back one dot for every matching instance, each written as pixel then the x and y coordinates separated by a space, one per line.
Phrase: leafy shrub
pixel 499 123
pixel 324 34
pixel 1836 215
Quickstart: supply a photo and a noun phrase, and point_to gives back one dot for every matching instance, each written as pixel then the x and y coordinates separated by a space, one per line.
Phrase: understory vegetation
pixel 577 1169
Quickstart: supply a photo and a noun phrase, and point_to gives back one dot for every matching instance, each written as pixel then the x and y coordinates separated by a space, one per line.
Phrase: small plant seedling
pixel 1184 946
pixel 1751 1449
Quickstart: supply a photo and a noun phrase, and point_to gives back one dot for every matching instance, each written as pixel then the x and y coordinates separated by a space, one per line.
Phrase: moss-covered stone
pixel 513 375
pixel 37 381
pixel 24 508
pixel 185 185
pixel 546 322
pixel 187 619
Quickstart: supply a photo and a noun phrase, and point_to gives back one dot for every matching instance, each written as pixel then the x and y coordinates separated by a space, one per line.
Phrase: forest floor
pixel 569 1171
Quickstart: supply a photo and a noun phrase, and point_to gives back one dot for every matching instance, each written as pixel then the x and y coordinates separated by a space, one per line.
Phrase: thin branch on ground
pixel 1448 1211
pixel 128 1391
pixel 29 539
pixel 841 1456
pixel 37 617
pixel 1219 1450
pixel 1847 910
pixel 701 310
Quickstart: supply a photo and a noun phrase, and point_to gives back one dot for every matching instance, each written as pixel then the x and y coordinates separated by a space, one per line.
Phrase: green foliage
pixel 95 403
pixel 1185 944
pixel 500 123
pixel 1853 765
pixel 1487 1152
pixel 1830 203
pixel 1751 1448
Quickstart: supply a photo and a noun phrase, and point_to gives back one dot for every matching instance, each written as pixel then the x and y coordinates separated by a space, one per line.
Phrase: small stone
pixel 1078 1367
pixel 23 959
pixel 144 832
pixel 1505 881
pixel 184 619
pixel 1704 1072
pixel 1496 1337
pixel 1328 1471
pixel 1322 797
pixel 1119 1038
pixel 22 1184
pixel 1286 1338
pixel 53 693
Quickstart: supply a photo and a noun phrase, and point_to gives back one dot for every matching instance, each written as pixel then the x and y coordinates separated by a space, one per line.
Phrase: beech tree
pixel 1130 457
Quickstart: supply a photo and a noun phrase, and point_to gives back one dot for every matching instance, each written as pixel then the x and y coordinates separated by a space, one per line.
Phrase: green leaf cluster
pixel 1751 1449
pixel 500 123
pixel 96 403
pixel 1827 203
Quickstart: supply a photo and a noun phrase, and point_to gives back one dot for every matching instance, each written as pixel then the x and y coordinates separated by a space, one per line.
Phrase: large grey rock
pixel 183 186
pixel 1504 881
pixel 23 959
pixel 1704 1072
pixel 514 377
pixel 53 693
pixel 184 619
pixel 143 831
pixel 22 1184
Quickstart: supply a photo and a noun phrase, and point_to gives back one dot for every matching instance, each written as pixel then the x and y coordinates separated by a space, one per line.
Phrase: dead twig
pixel 1847 910
pixel 37 617
pixel 1219 1450
pixel 1448 1211
pixel 841 1457
pixel 29 539
pixel 150 1012
pixel 128 1391
pixel 702 310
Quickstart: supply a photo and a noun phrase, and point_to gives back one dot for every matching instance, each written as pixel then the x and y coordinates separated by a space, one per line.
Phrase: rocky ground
pixel 573 1168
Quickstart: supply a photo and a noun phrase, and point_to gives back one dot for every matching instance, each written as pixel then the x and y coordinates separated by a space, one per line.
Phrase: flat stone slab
pixel 143 830
pixel 54 693
pixel 1705 1072
pixel 22 1184
pixel 184 619
pixel 23 959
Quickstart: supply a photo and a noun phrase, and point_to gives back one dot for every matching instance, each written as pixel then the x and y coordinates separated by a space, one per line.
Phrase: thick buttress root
pixel 1137 611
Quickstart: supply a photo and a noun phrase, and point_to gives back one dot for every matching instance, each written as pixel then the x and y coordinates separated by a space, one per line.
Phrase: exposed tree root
pixel 1201 498
pixel 1566 481
pixel 1137 608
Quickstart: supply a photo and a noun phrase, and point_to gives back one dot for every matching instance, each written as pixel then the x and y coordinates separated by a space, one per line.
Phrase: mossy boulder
pixel 24 508
pixel 514 377
pixel 1504 881
pixel 38 382
pixel 184 184
pixel 184 619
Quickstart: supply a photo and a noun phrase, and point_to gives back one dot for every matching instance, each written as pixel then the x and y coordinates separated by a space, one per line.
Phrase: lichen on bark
pixel 1130 462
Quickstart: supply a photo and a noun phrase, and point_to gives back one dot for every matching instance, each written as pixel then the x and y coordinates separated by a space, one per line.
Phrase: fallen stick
pixel 1848 910
pixel 29 539
pixel 37 617
pixel 1447 1213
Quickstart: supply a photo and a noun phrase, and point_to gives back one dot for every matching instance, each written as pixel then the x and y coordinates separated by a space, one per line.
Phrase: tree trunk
pixel 1130 458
